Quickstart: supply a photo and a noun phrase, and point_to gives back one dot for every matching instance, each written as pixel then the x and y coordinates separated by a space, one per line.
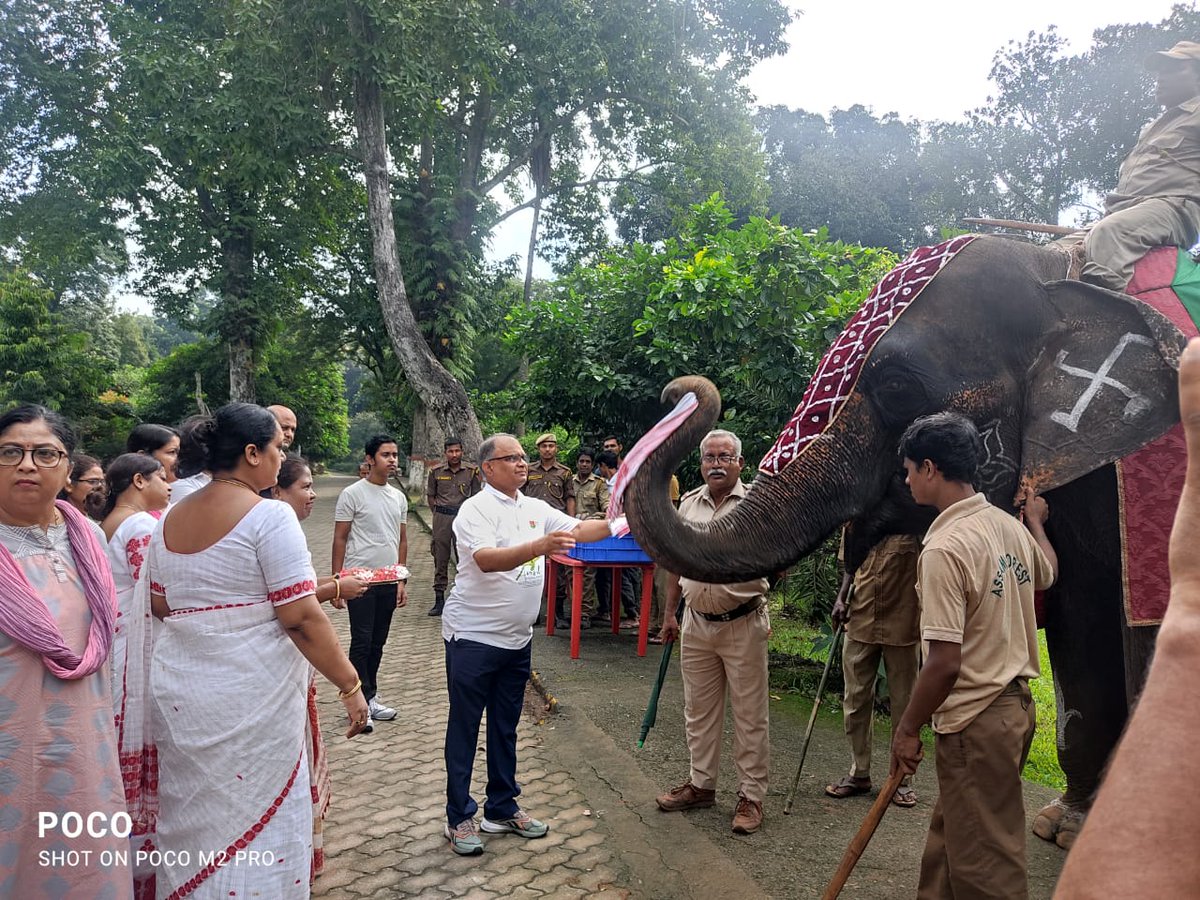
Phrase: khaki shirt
pixel 450 489
pixel 976 576
pixel 885 608
pixel 591 497
pixel 697 506
pixel 554 485
pixel 1165 162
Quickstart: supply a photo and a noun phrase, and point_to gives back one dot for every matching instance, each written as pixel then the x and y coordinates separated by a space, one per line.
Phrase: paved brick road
pixel 383 836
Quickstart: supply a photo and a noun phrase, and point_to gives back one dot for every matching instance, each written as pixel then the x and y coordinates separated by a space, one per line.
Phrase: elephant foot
pixel 1059 822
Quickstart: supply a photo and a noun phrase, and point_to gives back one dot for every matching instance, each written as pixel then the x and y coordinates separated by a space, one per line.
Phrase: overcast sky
pixel 923 59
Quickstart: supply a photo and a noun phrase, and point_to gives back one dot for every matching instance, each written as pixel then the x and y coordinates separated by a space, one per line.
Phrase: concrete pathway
pixel 581 773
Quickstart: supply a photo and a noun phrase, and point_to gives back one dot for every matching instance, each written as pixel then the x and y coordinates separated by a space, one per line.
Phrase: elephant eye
pixel 898 396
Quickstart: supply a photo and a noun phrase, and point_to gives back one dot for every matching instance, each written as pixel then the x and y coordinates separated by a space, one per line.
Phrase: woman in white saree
pixel 232 582
pixel 137 493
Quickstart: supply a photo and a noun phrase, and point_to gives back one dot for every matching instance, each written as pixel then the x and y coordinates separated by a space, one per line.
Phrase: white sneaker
pixel 377 710
pixel 369 727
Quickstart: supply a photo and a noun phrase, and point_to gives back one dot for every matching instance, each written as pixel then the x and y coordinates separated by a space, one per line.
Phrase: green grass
pixel 798 652
pixel 1042 765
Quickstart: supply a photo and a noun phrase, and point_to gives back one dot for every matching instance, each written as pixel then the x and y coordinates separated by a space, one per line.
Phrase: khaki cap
pixel 1184 51
pixel 548 436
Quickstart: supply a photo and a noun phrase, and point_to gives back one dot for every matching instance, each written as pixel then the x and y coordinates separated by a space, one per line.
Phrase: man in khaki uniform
pixel 449 484
pixel 723 647
pixel 591 502
pixel 1157 199
pixel 976 576
pixel 882 622
pixel 553 482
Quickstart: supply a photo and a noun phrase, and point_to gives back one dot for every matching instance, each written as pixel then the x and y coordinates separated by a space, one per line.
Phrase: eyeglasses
pixel 724 459
pixel 511 458
pixel 94 482
pixel 43 457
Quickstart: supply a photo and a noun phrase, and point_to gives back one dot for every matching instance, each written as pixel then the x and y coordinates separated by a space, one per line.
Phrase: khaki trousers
pixel 716 656
pixel 441 545
pixel 976 843
pixel 1122 237
pixel 860 668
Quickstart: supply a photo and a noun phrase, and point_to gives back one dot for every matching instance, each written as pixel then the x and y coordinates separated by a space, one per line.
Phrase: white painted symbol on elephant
pixel 997 465
pixel 1137 404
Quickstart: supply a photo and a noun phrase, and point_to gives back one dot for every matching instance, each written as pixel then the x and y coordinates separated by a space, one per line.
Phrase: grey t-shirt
pixel 376 513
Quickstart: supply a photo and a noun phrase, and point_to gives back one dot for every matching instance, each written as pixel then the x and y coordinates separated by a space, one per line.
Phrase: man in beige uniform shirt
pixel 1157 198
pixel 976 577
pixel 882 622
pixel 723 645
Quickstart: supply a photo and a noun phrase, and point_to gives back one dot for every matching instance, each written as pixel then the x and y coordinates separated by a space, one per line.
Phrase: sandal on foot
pixel 905 797
pixel 849 786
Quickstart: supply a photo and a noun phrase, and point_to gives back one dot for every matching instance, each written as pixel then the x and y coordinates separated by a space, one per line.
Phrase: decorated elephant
pixel 1063 380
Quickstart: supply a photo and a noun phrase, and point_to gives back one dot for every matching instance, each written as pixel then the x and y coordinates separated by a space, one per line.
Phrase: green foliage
pixel 42 361
pixel 751 308
pixel 287 374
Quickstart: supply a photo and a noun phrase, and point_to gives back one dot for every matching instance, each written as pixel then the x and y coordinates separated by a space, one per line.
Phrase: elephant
pixel 986 337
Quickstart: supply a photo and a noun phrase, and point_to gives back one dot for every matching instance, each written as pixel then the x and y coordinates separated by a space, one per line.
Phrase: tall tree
pixel 584 92
pixel 209 125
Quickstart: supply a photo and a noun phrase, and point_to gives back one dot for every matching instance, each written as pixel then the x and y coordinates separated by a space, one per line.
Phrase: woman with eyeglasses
pixel 295 488
pixel 86 479
pixel 57 612
pixel 137 494
pixel 233 584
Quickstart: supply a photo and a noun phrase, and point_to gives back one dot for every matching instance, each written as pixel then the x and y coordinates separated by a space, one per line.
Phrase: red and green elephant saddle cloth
pixel 1150 480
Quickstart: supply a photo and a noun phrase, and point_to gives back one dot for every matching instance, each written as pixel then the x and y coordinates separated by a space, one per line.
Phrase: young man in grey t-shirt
pixel 369 530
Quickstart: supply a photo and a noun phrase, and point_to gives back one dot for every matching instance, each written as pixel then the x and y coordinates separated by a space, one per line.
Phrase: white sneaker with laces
pixel 380 712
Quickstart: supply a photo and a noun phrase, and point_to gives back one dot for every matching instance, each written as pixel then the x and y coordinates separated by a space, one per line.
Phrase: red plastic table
pixel 577 566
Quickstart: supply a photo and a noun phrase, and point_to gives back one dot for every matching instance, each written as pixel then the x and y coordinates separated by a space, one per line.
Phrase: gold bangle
pixel 345 695
pixel 337 593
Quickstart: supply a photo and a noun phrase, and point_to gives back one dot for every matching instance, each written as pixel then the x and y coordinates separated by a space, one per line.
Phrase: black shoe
pixel 439 601
pixel 562 623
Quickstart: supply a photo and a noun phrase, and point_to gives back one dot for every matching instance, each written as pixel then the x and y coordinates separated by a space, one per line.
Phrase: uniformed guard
pixel 553 482
pixel 450 483
pixel 591 502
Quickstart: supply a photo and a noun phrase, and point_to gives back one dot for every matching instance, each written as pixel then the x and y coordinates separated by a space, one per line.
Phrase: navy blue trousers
pixel 482 677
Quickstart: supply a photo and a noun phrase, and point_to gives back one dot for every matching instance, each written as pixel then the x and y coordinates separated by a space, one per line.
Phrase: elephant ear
pixel 1104 385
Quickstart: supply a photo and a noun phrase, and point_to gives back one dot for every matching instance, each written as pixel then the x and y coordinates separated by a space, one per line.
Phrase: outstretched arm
pixel 1135 843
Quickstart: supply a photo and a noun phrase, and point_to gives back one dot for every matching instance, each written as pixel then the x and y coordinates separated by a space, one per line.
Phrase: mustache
pixel 716 473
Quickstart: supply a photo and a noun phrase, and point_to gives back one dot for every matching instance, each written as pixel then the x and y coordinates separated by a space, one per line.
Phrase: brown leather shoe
pixel 747 818
pixel 686 796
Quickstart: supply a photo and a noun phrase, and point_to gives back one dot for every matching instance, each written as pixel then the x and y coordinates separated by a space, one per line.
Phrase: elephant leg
pixel 1139 650
pixel 1085 634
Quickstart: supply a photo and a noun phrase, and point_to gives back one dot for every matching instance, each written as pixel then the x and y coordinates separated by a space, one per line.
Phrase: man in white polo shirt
pixel 503 538
pixel 370 530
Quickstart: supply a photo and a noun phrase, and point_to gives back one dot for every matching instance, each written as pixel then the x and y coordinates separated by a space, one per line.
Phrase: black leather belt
pixel 446 510
pixel 744 610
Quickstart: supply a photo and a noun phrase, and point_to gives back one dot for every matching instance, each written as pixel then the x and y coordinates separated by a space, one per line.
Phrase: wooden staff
pixel 859 842
pixel 812 719
pixel 1039 227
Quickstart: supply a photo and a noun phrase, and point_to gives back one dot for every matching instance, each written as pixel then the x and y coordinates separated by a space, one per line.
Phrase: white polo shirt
pixel 499 608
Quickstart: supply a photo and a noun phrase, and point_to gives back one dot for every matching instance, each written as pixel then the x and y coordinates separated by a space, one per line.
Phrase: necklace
pixel 127 506
pixel 238 483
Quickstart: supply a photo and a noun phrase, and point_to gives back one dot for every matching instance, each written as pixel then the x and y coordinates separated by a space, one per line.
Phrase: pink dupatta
pixel 26 619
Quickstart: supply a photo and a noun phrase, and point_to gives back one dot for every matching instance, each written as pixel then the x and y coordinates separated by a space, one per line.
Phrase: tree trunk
pixel 526 294
pixel 428 447
pixel 444 398
pixel 241 372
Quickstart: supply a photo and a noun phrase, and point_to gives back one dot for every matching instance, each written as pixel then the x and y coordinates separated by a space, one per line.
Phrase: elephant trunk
pixel 781 519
